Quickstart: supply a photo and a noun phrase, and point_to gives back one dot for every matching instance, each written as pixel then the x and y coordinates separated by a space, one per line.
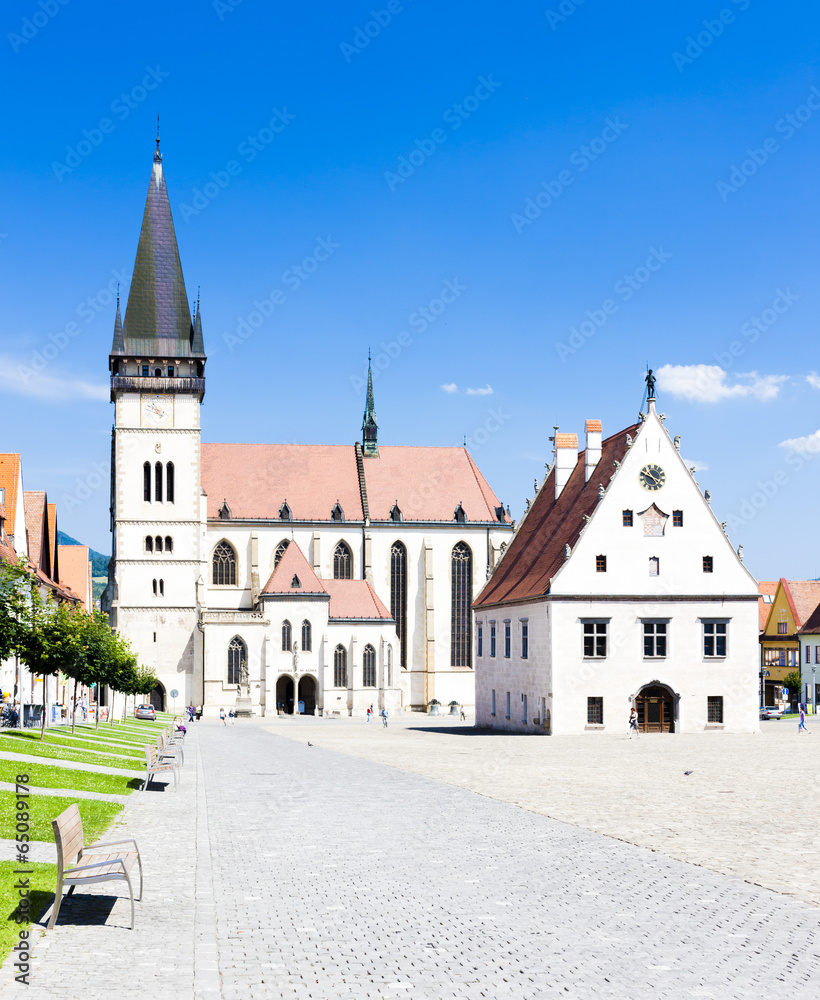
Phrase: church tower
pixel 370 428
pixel 157 366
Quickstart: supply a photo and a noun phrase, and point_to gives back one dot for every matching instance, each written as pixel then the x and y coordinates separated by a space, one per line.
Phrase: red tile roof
pixel 536 553
pixel 428 483
pixel 34 502
pixel 766 588
pixel 54 571
pixel 812 626
pixel 293 564
pixel 355 599
pixel 9 482
pixel 594 425
pixel 803 597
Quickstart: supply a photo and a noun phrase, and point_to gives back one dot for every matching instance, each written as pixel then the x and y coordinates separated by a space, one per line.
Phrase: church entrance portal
pixel 284 695
pixel 655 709
pixel 157 698
pixel 307 695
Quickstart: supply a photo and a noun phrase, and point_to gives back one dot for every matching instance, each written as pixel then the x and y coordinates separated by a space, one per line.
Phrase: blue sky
pixel 592 187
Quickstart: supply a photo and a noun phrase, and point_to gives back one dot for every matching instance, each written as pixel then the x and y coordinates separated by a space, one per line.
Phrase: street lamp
pixel 813 693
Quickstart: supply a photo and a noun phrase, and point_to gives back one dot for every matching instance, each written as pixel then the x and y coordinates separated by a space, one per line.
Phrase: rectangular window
pixel 714 638
pixel 774 656
pixel 627 518
pixel 708 565
pixel 507 640
pixel 595 711
pixel 677 518
pixel 493 711
pixel 600 564
pixel 654 639
pixel 479 639
pixel 145 371
pixel 782 628
pixel 808 654
pixel 170 371
pixel 595 639
pixel 817 654
pixel 714 709
pixel 508 705
pixel 525 640
pixel 794 657
pixel 524 709
pixel 492 638
pixel 654 566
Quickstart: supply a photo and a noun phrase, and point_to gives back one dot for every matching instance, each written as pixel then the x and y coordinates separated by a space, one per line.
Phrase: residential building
pixel 792 606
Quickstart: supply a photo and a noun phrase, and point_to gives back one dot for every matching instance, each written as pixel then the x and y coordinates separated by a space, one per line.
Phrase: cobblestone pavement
pixel 320 874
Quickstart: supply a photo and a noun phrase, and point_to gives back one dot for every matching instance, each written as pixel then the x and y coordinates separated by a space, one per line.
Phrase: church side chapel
pixel 280 578
pixel 620 589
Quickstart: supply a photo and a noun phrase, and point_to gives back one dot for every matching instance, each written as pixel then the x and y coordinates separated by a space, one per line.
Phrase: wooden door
pixel 654 706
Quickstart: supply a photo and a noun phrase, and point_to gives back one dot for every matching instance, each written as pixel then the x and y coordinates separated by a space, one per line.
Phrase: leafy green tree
pixel 794 682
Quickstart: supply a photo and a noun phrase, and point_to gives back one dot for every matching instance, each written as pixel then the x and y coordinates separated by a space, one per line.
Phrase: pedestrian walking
pixel 633 722
pixel 222 716
pixel 232 716
pixel 384 717
pixel 802 728
pixel 463 714
pixel 369 714
pixel 190 713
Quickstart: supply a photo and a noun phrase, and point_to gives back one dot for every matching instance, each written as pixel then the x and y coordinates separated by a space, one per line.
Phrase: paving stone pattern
pixel 283 870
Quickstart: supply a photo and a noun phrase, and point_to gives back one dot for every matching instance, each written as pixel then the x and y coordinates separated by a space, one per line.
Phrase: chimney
pixel 566 458
pixel 594 432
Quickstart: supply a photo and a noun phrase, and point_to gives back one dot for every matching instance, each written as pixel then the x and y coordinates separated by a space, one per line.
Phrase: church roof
pixel 354 599
pixel 536 553
pixel 157 317
pixel 293 567
pixel 428 483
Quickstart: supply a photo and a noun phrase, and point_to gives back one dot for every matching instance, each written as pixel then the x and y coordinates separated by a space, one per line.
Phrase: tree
pixel 794 682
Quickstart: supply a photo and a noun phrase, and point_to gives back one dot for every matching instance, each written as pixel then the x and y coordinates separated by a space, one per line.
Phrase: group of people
pixel 371 712
pixel 194 712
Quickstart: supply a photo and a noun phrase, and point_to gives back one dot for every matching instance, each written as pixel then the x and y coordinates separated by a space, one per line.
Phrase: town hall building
pixel 295 577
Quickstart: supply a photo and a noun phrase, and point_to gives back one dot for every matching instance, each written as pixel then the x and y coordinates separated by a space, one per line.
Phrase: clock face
pixel 157 410
pixel 652 477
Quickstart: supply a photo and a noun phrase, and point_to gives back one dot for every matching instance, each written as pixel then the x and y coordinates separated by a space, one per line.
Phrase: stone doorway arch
pixel 307 694
pixel 284 695
pixel 157 697
pixel 656 705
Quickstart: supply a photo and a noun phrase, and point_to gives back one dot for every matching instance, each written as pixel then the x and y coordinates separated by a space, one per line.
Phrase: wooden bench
pixel 81 865
pixel 166 750
pixel 153 765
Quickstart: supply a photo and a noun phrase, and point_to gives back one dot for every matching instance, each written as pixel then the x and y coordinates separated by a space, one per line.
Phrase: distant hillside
pixel 99 562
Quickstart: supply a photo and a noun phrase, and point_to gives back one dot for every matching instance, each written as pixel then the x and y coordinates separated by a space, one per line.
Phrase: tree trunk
pixel 45 706
pixel 97 720
pixel 74 708
pixel 111 708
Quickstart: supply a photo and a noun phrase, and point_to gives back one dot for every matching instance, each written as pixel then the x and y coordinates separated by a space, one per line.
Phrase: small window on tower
pixel 677 518
pixel 627 518
pixel 149 543
pixel 158 544
pixel 154 585
pixel 145 371
pixel 170 371
pixel 162 588
pixel 169 544
pixel 708 565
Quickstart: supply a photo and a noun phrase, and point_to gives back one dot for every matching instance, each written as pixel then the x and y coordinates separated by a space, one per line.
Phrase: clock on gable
pixel 652 477
pixel 157 410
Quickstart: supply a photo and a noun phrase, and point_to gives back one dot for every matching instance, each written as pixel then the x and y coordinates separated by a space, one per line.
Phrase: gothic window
pixel 461 642
pixel 237 660
pixel 146 482
pixel 340 667
pixel 154 585
pixel 307 637
pixel 280 551
pixel 149 543
pixel 459 514
pixel 398 596
pixel 369 667
pixel 158 544
pixel 224 564
pixel 162 588
pixel 337 514
pixel 342 562
pixel 169 544
pixel 390 666
pixel 285 512
pixel 158 482
pixel 286 636
pixel 169 482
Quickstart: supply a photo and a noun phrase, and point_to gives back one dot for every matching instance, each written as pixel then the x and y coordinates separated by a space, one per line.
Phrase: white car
pixel 771 712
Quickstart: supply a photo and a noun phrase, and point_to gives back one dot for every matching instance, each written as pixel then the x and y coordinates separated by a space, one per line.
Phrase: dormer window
pixel 499 513
pixel 337 514
pixel 395 512
pixel 285 512
pixel 295 583
pixel 225 511
pixel 459 514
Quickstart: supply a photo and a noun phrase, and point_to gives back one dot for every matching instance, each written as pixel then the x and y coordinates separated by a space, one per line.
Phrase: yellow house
pixel 793 603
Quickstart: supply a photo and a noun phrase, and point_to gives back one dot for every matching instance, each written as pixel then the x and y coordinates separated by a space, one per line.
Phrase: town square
pixel 409 582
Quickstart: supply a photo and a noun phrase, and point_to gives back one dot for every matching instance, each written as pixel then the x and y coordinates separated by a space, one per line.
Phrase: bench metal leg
pixel 131 891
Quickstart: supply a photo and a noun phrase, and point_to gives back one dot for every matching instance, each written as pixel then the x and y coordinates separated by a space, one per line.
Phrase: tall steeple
pixel 370 427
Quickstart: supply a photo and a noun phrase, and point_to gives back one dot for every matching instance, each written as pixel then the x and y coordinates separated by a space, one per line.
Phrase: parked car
pixel 771 712
pixel 145 712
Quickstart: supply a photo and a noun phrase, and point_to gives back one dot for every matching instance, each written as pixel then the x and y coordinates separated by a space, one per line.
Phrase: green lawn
pixel 77 744
pixel 97 816
pixel 34 748
pixel 42 883
pixel 50 776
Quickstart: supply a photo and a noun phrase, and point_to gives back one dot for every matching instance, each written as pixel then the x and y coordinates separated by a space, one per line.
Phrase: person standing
pixel 802 728
pixel 222 716
pixel 369 714
pixel 633 722
pixel 384 717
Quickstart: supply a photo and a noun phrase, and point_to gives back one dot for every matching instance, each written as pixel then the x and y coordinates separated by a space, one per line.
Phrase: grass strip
pixel 96 815
pixel 79 744
pixel 49 776
pixel 42 883
pixel 9 744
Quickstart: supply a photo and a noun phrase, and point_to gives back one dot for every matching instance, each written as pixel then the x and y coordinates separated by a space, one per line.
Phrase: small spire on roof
pixel 157 155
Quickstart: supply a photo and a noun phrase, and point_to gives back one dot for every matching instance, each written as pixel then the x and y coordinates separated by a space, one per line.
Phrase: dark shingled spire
pixel 370 427
pixel 118 347
pixel 197 345
pixel 157 320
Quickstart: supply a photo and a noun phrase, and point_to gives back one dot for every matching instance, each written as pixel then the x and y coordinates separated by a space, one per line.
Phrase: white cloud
pixel 711 384
pixel 450 387
pixel 808 445
pixel 23 381
pixel 814 380
pixel 697 466
pixel 486 391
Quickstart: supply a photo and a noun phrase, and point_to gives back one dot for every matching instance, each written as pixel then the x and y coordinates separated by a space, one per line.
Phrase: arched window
pixel 169 482
pixel 369 667
pixel 461 566
pixel 169 544
pixel 162 588
pixel 154 584
pixel 224 565
pixel 146 482
pixel 286 636
pixel 280 551
pixel 237 660
pixel 390 666
pixel 342 562
pixel 158 482
pixel 149 543
pixel 307 637
pixel 158 544
pixel 157 373
pixel 340 667
pixel 398 595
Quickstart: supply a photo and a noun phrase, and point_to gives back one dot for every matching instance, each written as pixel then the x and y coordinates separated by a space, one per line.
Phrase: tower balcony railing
pixel 148 383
